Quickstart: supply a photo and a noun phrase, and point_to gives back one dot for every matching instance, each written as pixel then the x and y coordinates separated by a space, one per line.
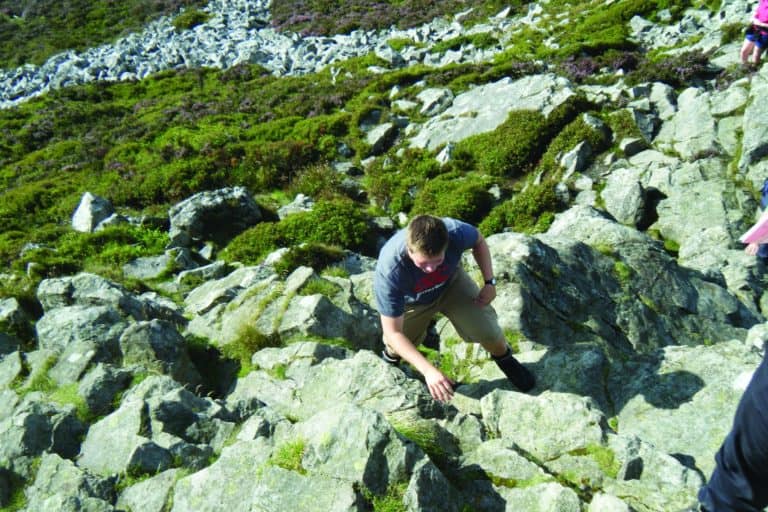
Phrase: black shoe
pixel 391 359
pixel 432 339
pixel 517 374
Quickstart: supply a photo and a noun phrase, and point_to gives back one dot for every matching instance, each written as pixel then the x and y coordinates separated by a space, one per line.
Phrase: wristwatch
pixel 491 281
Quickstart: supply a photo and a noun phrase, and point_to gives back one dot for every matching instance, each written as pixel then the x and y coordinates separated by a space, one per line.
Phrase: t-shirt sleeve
pixel 389 300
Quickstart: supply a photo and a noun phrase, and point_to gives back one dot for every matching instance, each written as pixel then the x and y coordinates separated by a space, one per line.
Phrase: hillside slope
pixel 187 320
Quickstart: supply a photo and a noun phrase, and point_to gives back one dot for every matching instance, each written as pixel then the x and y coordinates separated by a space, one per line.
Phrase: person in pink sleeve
pixel 756 37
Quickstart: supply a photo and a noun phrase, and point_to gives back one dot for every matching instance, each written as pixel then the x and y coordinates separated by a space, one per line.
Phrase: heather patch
pixel 31 32
pixel 317 17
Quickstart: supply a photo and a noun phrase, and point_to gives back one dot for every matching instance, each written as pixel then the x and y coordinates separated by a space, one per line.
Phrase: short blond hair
pixel 427 235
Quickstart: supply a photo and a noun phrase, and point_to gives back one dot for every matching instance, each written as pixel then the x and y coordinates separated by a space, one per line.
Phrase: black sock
pixel 507 353
pixel 517 374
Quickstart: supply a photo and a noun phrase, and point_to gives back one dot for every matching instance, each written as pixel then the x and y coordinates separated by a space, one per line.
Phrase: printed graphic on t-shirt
pixel 433 280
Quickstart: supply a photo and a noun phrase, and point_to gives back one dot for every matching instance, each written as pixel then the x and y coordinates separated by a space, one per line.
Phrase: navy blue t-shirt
pixel 398 281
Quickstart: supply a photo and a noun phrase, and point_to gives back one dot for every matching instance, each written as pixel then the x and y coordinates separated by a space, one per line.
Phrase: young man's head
pixel 426 240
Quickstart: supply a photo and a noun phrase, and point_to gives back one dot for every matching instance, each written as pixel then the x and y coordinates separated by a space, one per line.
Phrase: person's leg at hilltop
pixel 739 481
pixel 747 47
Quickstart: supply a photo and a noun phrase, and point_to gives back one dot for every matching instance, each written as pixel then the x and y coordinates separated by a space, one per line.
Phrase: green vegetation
pixel 604 456
pixel 529 211
pixel 512 149
pixel 479 40
pixel 392 501
pixel 31 32
pixel 190 19
pixel 248 341
pixel 317 285
pixel 146 145
pixel 36 379
pixel 337 223
pixel 622 270
pixel 454 195
pixel 68 395
pixel 424 433
pixel 458 368
pixel 103 252
pixel 400 43
pixel 519 484
pixel 317 256
pixel 17 498
pixel 322 17
pixel 289 455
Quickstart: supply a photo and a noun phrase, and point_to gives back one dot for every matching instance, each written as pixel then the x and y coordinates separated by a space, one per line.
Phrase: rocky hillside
pixel 192 215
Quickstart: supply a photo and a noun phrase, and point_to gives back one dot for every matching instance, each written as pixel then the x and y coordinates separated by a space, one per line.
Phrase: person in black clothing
pixel 739 482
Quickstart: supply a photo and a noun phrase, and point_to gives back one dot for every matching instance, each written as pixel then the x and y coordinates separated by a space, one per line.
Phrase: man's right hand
pixel 440 386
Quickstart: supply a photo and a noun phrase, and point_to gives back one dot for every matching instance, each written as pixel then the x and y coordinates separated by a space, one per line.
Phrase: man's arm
pixel 482 255
pixel 440 387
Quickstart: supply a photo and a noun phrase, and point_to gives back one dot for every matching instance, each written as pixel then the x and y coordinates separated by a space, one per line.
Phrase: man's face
pixel 426 264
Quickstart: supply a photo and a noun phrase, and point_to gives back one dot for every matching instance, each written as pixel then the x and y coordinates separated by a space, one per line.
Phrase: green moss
pixel 338 223
pixel 514 338
pixel 105 251
pixel 623 125
pixel 603 456
pixel 17 501
pixel 574 133
pixel 400 43
pixel 279 371
pixel 512 483
pixel 38 380
pixel 422 432
pixel 510 149
pixel 479 40
pixel 335 271
pixel 622 270
pixel 671 246
pixel 320 286
pixel 392 501
pixel 68 395
pixel 190 19
pixel 525 46
pixel 250 246
pixel 390 181
pixel 530 211
pixel 649 303
pixel 731 32
pixel 453 195
pixel 289 456
pixel 248 341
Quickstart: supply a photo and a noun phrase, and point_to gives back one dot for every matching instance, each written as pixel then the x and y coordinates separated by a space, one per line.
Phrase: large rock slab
pixel 484 108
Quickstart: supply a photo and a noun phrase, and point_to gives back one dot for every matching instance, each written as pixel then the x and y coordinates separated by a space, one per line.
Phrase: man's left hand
pixel 486 295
